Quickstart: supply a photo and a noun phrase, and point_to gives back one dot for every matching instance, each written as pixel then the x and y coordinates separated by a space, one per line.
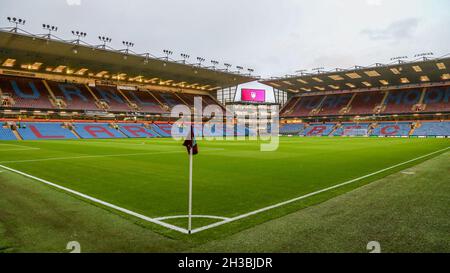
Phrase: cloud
pixel 374 2
pixel 395 31
pixel 73 2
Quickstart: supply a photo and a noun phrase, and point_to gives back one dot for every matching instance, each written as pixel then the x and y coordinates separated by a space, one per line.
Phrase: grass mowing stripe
pixel 311 194
pixel 129 212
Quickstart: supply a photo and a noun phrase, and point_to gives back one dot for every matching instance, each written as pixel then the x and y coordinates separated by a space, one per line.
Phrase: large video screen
pixel 253 95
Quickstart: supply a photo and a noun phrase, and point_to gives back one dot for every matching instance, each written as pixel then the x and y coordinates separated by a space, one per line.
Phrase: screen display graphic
pixel 253 95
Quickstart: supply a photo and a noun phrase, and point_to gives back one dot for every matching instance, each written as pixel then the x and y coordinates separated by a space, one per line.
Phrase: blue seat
pixel 97 130
pixel 6 134
pixel 44 130
pixel 392 129
pixel 433 129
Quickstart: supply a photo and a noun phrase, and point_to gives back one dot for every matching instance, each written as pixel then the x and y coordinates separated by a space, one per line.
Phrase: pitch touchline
pixel 96 156
pixel 308 195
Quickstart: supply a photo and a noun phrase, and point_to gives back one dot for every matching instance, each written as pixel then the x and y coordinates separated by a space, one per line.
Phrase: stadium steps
pixel 100 104
pixel 163 106
pixel 348 107
pixel 18 136
pixel 116 127
pixel 290 110
pixel 49 90
pixel 70 127
pixel 380 108
pixel 318 108
pixel 335 128
pixel 180 98
pixel 415 126
pixel 131 104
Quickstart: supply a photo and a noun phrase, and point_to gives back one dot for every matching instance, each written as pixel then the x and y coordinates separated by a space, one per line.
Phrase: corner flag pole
pixel 190 189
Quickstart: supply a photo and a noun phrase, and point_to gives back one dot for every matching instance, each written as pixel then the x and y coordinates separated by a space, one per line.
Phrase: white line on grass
pixel 193 216
pixel 99 156
pixel 310 194
pixel 93 199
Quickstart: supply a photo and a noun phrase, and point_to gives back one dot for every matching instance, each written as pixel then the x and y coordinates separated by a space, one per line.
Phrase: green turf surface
pixel 230 178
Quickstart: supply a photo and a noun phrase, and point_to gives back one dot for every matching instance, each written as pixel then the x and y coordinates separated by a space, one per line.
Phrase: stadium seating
pixel 110 95
pixel 332 105
pixel 44 130
pixel 6 134
pixel 402 101
pixel 392 129
pixel 433 129
pixel 76 96
pixel 137 130
pixel 292 128
pixel 352 129
pixel 365 103
pixel 163 129
pixel 97 130
pixel 306 105
pixel 288 106
pixel 145 101
pixel 437 99
pixel 168 99
pixel 319 129
pixel 189 99
pixel 26 93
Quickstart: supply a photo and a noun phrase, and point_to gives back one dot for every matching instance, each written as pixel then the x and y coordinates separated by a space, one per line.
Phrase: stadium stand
pixel 115 101
pixel 25 92
pixel 365 103
pixel 6 134
pixel 392 129
pixel 306 105
pixel 319 129
pixel 436 99
pixel 144 100
pixel 163 129
pixel 137 130
pixel 189 99
pixel 76 96
pixel 402 101
pixel 352 129
pixel 168 99
pixel 44 130
pixel 97 130
pixel 433 129
pixel 332 105
pixel 292 128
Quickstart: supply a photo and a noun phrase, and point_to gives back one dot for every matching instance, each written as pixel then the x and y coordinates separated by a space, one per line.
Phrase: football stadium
pixel 108 149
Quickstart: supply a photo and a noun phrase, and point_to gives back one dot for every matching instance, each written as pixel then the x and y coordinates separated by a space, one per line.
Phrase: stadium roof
pixel 49 54
pixel 375 76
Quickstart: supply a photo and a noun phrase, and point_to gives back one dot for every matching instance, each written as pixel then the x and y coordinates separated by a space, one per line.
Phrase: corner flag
pixel 190 142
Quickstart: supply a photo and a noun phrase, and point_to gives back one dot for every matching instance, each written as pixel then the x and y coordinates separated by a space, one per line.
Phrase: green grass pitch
pixel 231 178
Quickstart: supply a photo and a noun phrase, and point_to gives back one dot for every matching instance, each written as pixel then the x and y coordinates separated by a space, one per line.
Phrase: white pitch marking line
pixel 408 173
pixel 193 216
pixel 99 156
pixel 93 199
pixel 308 195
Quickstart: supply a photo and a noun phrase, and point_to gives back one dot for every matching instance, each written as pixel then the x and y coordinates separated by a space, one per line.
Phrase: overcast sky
pixel 275 37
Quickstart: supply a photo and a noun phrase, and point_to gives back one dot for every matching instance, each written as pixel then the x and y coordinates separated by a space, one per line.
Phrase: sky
pixel 273 37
